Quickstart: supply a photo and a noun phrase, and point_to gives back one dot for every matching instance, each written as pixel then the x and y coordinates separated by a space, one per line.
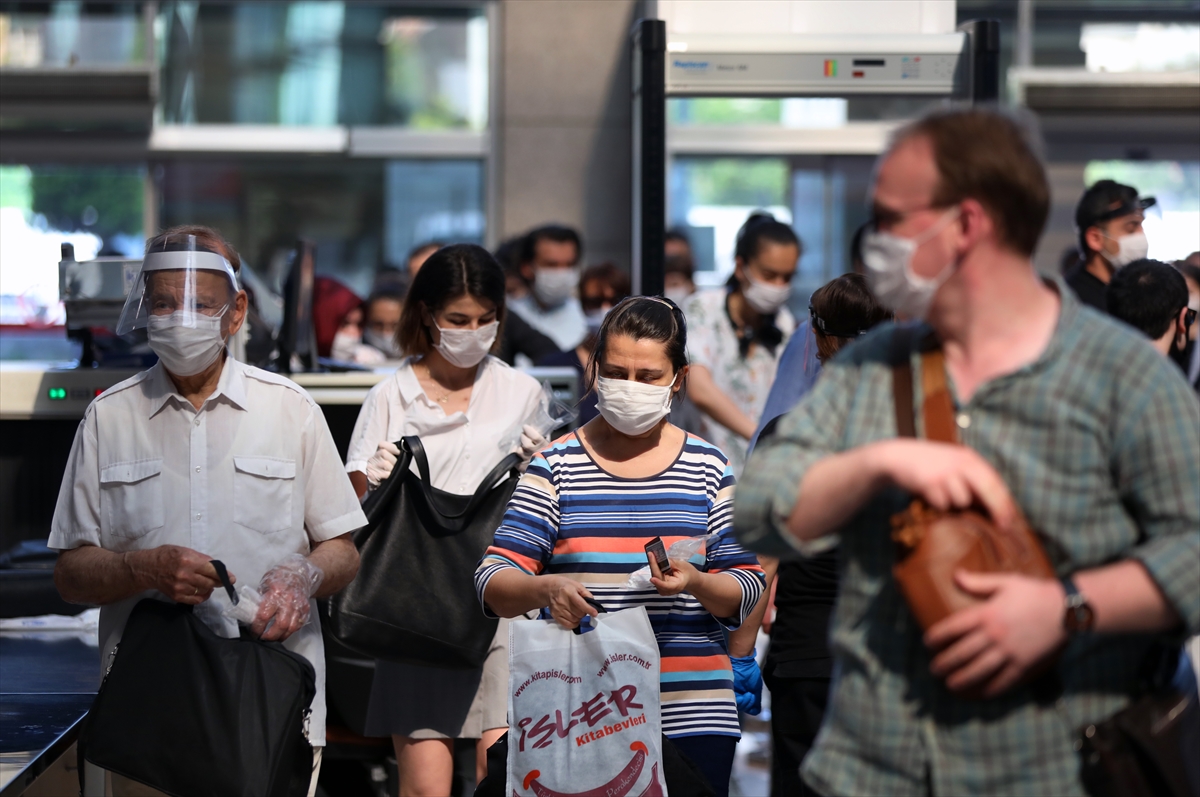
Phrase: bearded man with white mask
pixel 1108 220
pixel 1065 417
pixel 199 458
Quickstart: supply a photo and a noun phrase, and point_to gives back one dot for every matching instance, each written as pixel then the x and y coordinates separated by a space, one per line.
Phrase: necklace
pixel 445 398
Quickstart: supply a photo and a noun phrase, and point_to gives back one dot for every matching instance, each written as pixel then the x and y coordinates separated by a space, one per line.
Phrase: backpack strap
pixel 902 382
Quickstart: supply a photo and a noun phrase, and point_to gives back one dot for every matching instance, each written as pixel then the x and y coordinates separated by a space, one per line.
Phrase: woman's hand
pixel 680 579
pixel 381 463
pixel 565 597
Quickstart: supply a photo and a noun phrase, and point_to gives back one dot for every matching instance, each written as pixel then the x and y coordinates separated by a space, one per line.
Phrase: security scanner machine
pixel 962 65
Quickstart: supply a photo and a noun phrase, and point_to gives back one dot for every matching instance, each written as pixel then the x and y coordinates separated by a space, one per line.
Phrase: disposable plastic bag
pixel 293 580
pixel 551 413
pixel 585 709
pixel 693 550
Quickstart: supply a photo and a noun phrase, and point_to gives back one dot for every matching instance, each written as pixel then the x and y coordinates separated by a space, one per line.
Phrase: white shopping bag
pixel 583 709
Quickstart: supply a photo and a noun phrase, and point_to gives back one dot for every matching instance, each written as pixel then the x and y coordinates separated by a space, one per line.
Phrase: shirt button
pixel 197 421
pixel 963 420
pixel 197 469
pixel 197 516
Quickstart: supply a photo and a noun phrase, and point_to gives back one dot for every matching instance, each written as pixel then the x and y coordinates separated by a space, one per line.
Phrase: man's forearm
pixel 1125 599
pixel 92 575
pixel 832 490
pixel 338 560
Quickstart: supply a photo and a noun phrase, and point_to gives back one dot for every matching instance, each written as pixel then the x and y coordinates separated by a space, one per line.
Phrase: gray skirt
pixel 435 703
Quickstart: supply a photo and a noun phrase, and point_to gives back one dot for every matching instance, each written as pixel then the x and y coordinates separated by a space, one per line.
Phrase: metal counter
pixel 48 681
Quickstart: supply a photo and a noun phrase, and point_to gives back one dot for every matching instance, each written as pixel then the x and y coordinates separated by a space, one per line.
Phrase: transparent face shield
pixel 181 283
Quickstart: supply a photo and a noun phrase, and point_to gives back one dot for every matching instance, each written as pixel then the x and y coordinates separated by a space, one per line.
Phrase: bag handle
pixel 412 445
pixel 223 574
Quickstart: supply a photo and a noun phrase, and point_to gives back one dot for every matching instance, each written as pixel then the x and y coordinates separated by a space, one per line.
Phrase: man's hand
pixel 183 575
pixel 998 643
pixel 947 477
pixel 565 597
pixel 285 590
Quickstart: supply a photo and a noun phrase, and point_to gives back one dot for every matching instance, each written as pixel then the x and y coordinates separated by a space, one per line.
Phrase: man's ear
pixel 1094 237
pixel 237 312
pixel 1181 330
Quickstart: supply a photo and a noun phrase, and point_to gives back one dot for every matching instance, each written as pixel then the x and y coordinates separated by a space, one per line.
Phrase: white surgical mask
pixel 594 318
pixel 344 345
pixel 186 350
pixel 632 408
pixel 385 343
pixel 466 348
pixel 1131 247
pixel 888 259
pixel 553 286
pixel 764 297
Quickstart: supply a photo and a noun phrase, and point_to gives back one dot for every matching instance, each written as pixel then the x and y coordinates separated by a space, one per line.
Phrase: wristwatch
pixel 1078 616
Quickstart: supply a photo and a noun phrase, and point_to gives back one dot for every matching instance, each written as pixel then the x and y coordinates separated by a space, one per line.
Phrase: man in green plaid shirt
pixel 1065 416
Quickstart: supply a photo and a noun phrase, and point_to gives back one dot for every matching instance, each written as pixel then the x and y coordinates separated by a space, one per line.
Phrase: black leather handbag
pixel 414 597
pixel 194 714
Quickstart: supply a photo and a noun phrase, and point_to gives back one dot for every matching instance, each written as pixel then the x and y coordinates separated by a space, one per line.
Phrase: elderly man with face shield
pixel 202 457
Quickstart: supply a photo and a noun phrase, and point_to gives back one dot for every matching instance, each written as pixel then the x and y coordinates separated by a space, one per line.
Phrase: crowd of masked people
pixel 1073 418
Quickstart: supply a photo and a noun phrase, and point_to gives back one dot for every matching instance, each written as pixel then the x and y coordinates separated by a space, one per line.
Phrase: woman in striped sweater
pixel 578 522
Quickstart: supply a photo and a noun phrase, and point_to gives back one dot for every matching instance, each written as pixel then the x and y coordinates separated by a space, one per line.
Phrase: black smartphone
pixel 655 548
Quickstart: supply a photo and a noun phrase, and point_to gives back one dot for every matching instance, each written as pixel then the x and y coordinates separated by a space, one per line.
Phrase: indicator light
pixel 97 392
pixel 57 393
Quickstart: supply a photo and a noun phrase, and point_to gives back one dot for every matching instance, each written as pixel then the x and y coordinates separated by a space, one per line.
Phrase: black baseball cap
pixel 1108 199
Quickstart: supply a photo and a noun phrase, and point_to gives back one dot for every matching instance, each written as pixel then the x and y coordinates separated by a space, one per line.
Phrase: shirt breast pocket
pixel 131 497
pixel 262 493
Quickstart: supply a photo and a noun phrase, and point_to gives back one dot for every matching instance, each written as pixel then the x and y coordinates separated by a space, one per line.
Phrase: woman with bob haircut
pixel 578 522
pixel 461 401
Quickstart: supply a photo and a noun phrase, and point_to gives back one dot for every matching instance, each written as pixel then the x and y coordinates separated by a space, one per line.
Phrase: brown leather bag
pixel 931 544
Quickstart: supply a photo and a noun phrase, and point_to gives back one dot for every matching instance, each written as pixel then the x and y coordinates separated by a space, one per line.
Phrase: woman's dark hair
pixel 642 318
pixel 450 272
pixel 760 227
pixel 841 310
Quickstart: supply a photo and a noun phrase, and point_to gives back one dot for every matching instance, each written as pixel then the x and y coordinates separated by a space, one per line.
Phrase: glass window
pixel 823 198
pixel 323 63
pixel 97 209
pixel 71 34
pixel 1173 224
pixel 1140 47
pixel 361 214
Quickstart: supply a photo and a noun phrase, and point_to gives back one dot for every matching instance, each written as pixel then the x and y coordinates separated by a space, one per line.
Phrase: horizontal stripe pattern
pixel 569 517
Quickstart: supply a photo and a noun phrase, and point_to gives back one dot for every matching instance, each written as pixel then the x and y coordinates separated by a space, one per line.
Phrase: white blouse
pixel 461 447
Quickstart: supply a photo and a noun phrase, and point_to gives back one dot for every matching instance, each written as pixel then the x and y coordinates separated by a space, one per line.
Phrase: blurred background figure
pixel 679 282
pixel 419 254
pixel 1109 220
pixel 735 335
pixel 601 287
pixel 548 264
pixel 338 324
pixel 1190 269
pixel 798 666
pixel 382 312
pixel 1152 297
pixel 508 255
pixel 520 343
pixel 676 243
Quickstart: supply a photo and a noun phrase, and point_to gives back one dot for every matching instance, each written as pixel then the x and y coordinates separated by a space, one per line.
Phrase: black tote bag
pixel 193 714
pixel 414 597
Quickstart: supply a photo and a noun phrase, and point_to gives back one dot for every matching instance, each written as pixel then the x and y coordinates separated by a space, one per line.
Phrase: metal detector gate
pixel 963 65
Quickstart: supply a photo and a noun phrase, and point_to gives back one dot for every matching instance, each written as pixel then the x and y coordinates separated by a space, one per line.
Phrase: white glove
pixel 381 463
pixel 532 441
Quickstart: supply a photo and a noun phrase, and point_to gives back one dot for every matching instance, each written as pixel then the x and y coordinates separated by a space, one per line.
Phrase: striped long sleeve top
pixel 570 517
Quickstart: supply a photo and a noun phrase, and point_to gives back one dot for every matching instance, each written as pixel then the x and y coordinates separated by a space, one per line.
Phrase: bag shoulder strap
pixel 902 382
pixel 412 446
pixel 937 409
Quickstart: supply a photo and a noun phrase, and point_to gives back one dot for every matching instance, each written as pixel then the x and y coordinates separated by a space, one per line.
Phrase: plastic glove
pixel 747 683
pixel 285 589
pixel 381 463
pixel 532 441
